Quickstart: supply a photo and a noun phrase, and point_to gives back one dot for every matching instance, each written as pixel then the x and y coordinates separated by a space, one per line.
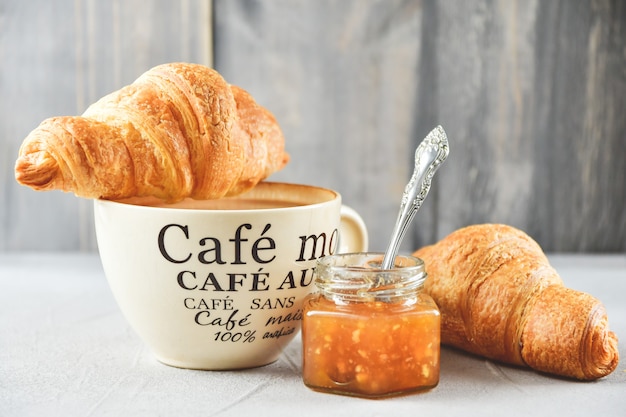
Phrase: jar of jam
pixel 370 332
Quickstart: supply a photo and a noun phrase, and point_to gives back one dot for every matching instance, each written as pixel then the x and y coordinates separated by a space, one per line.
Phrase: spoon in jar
pixel 429 155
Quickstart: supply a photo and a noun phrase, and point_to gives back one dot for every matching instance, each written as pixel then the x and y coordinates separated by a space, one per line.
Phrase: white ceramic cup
pixel 219 284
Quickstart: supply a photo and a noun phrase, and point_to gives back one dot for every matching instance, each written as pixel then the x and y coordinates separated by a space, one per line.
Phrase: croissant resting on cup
pixel 180 130
pixel 500 298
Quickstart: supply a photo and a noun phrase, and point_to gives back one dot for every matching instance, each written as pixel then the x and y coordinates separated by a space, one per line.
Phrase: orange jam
pixel 370 346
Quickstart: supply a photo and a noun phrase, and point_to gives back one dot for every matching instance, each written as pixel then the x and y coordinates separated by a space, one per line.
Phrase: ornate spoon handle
pixel 429 155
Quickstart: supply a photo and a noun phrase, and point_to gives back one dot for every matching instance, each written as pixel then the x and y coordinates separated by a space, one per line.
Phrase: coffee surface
pixel 229 204
pixel 265 195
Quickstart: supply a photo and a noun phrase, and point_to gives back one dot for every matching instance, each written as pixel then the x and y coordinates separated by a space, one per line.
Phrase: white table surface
pixel 66 350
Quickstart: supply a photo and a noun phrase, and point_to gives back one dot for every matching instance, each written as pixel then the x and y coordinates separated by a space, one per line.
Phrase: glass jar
pixel 369 332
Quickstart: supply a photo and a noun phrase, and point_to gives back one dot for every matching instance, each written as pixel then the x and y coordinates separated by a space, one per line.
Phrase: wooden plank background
pixel 531 93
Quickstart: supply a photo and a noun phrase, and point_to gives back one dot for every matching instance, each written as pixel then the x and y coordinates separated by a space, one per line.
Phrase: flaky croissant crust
pixel 500 298
pixel 180 130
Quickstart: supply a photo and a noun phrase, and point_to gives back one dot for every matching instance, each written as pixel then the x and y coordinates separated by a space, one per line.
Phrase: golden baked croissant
pixel 180 130
pixel 500 298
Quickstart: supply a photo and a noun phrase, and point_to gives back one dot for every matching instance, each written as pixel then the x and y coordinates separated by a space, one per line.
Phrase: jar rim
pixel 359 277
pixel 326 261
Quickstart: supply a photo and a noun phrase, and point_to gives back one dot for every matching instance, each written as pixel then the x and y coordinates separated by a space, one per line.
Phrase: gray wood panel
pixel 342 78
pixel 532 95
pixel 56 59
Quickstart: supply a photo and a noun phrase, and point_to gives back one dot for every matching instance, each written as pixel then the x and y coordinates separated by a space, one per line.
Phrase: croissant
pixel 500 298
pixel 180 130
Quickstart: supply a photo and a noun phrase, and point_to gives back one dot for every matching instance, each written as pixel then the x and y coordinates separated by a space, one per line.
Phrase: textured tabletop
pixel 66 350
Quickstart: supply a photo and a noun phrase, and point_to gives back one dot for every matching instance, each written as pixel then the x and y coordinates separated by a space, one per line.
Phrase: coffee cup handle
pixel 353 236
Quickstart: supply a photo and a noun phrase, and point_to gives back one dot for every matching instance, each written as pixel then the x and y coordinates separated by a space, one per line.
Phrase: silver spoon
pixel 429 155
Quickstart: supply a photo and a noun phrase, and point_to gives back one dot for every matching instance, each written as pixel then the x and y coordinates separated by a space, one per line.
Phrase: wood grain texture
pixel 531 93
pixel 535 112
pixel 341 78
pixel 59 57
